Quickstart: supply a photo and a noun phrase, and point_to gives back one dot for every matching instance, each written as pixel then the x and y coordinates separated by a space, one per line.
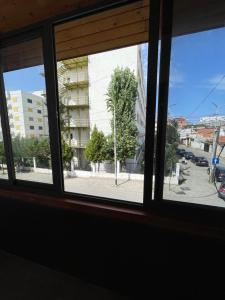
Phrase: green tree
pixel 172 140
pixel 95 150
pixel 67 154
pixel 122 95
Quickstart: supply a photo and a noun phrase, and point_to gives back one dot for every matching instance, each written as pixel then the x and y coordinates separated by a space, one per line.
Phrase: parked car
pixel 193 159
pixel 188 155
pixel 220 174
pixel 180 152
pixel 221 191
pixel 201 161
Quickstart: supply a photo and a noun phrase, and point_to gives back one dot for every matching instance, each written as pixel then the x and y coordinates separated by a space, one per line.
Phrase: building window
pixel 15 109
pixel 40 120
pixel 14 99
pixel 31 119
pixel 30 109
pixel 40 127
pixel 29 100
pixel 18 127
pixel 31 127
pixel 16 118
pixel 39 111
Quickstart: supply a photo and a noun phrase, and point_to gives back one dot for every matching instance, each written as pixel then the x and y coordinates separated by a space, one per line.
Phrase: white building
pixel 27 114
pixel 216 120
pixel 83 84
pixel 100 69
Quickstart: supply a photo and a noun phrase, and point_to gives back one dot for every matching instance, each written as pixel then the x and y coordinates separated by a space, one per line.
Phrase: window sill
pixel 161 221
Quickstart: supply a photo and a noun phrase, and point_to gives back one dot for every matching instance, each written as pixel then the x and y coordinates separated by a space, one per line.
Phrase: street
pixel 196 187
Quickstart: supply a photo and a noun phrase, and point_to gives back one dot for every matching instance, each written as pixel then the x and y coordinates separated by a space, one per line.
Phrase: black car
pixel 221 191
pixel 188 155
pixel 180 152
pixel 194 159
pixel 201 161
pixel 220 174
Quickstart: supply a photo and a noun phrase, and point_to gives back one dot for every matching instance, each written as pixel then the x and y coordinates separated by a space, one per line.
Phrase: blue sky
pixel 28 79
pixel 197 66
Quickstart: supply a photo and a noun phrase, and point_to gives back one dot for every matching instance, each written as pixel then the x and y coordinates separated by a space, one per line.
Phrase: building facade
pixel 73 85
pixel 27 114
pixel 83 84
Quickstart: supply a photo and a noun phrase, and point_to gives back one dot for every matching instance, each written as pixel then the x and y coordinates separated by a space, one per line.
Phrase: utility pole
pixel 214 151
pixel 114 133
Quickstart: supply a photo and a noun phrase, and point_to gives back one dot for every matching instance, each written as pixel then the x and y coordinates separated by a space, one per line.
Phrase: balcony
pixel 76 102
pixel 74 123
pixel 75 62
pixel 77 143
pixel 79 79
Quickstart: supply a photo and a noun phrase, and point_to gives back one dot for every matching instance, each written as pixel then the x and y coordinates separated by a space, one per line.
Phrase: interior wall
pixel 133 259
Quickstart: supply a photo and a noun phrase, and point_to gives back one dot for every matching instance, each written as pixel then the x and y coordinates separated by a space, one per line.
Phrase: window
pixel 194 152
pixel 39 111
pixel 17 118
pixel 40 120
pixel 31 119
pixel 21 62
pixel 14 99
pixel 40 127
pixel 15 109
pixel 107 145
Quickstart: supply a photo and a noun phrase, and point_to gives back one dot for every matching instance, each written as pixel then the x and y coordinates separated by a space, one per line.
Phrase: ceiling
pixel 190 15
pixel 15 14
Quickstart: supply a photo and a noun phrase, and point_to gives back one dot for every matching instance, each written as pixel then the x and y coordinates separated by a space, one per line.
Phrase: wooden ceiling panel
pixel 108 30
pixel 17 14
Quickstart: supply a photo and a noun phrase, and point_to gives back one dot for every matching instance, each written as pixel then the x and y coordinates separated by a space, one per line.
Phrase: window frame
pixel 160 26
pixel 13 181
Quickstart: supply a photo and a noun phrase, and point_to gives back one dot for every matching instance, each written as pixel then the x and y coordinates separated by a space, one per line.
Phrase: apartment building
pixel 27 114
pixel 83 84
pixel 100 68
pixel 73 85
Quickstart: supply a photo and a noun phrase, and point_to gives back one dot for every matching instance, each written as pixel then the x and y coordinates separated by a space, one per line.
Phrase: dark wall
pixel 133 259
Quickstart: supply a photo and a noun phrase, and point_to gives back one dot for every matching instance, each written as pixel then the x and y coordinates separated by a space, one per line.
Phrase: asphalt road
pixel 196 187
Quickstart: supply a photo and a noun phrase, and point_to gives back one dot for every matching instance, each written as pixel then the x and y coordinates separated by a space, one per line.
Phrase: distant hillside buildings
pixel 216 120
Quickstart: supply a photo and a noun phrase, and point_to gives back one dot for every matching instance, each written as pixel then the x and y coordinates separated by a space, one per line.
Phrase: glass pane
pixel 195 158
pixel 3 165
pixel 27 110
pixel 102 94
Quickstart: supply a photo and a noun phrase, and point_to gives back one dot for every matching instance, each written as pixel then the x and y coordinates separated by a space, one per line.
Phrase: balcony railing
pixel 78 79
pixel 77 143
pixel 70 63
pixel 78 123
pixel 81 101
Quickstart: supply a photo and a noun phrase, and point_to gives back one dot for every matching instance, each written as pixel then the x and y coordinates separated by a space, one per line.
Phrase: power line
pixel 207 96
